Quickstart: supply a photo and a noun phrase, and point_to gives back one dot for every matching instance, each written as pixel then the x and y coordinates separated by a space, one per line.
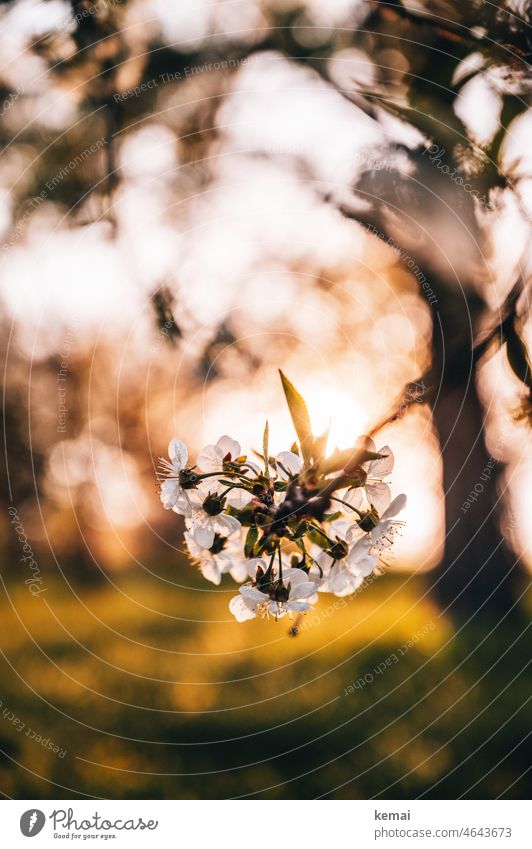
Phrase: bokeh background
pixel 192 196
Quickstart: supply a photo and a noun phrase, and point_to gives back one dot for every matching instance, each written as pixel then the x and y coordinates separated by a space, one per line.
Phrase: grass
pixel 154 692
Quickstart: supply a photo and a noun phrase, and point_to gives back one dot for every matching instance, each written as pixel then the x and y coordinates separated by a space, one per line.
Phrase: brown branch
pixel 423 389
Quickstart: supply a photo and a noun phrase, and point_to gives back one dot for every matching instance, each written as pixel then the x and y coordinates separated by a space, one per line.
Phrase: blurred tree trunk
pixel 476 572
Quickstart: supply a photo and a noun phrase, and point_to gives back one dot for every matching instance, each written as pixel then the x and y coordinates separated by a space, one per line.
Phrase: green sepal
pixel 318 538
pixel 348 457
pixel 265 453
pixel 300 417
pixel 331 517
pixel 251 541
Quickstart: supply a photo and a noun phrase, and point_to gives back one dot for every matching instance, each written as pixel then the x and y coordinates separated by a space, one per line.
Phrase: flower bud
pixel 218 544
pixel 369 520
pixel 338 551
pixel 188 479
pixel 357 474
pixel 213 505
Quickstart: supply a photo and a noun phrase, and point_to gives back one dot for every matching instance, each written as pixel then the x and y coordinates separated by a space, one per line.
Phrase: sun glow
pixel 332 407
pixel 235 411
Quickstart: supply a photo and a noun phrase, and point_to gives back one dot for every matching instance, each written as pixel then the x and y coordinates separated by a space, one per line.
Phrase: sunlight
pixel 331 406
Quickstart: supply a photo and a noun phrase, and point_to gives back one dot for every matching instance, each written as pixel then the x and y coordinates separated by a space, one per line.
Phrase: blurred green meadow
pixel 155 692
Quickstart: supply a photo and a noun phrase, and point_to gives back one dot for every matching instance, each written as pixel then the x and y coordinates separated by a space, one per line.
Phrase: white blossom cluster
pixel 286 527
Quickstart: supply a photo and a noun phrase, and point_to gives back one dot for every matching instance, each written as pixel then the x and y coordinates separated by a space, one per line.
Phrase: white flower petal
pixel 398 504
pixel 252 566
pixel 319 580
pixel 194 549
pixel 226 445
pixel 341 582
pixel 210 459
pixel 355 534
pixel 378 494
pixel 339 528
pixel 252 595
pixel 298 606
pixel 228 523
pixel 178 453
pixel 360 548
pixel 182 506
pixel 350 588
pixel 238 570
pixel 325 562
pixel 240 610
pixel 277 610
pixel 377 532
pixel 364 566
pixel 337 578
pixel 291 464
pixel 302 591
pixel 204 535
pixel 355 498
pixel 238 498
pixel 381 468
pixel 211 571
pixel 169 493
pixel 253 466
pixel 294 576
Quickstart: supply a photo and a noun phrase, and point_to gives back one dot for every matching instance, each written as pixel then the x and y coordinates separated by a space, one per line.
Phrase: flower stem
pixel 341 501
pixel 320 531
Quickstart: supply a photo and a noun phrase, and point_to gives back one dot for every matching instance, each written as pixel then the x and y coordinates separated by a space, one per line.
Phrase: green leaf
pixel 301 530
pixel 251 541
pixel 348 458
pixel 331 517
pixel 318 538
pixel 265 453
pixel 300 416
pixel 320 444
